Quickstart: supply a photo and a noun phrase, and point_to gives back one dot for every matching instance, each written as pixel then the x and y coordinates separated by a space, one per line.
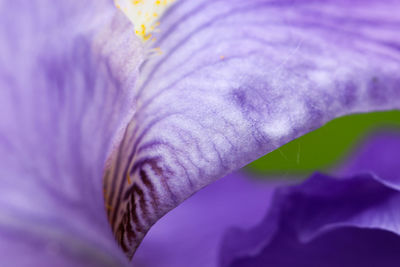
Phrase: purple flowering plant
pixel 102 132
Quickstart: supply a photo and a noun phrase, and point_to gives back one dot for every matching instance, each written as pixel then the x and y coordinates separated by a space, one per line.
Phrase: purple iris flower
pixel 99 138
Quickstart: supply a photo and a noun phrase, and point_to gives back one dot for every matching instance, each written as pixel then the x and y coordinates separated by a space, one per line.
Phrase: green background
pixel 323 148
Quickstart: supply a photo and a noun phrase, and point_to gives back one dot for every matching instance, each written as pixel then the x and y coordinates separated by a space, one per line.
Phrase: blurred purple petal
pixel 237 79
pixel 190 235
pixel 379 156
pixel 353 221
pixel 67 69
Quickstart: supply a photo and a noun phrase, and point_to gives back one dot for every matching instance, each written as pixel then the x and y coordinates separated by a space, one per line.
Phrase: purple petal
pixel 190 235
pixel 327 221
pixel 379 156
pixel 238 79
pixel 67 69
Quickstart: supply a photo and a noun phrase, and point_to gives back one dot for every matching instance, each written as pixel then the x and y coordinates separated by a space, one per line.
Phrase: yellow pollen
pixel 157 50
pixel 128 178
pixel 144 14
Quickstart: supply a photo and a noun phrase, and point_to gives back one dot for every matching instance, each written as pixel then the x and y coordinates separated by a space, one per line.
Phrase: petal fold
pixel 233 80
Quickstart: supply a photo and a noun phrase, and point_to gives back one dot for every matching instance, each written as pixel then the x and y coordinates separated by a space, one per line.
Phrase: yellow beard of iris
pixel 144 14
